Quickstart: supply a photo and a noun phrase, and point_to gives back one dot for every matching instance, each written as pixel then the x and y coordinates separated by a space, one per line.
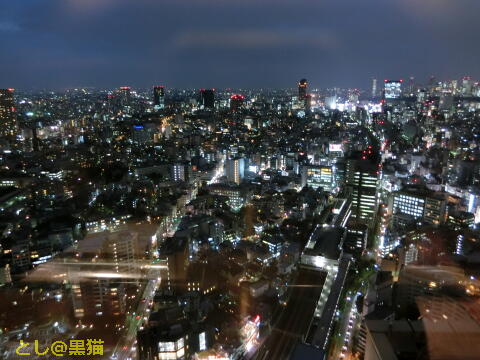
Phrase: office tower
pixel 236 197
pixel 7 113
pixel 411 86
pixel 236 102
pixel 467 86
pixel 207 98
pixel 316 176
pixel 362 178
pixel 357 236
pixel 416 203
pixel 159 97
pixel 392 89
pixel 302 88
pixel 124 93
pixel 374 88
pixel 235 170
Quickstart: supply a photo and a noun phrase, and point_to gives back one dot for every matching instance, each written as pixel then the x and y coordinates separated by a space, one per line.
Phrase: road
pixel 126 349
pixel 294 321
pixel 345 328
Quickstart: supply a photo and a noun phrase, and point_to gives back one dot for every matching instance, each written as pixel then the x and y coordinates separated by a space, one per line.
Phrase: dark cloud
pixel 220 43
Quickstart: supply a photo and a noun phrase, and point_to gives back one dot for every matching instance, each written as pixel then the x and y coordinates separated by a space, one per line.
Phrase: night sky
pixel 58 44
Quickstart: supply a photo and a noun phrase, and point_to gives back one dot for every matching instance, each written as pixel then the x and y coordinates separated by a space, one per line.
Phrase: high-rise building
pixel 467 86
pixel 7 113
pixel 415 203
pixel 159 97
pixel 124 93
pixel 175 253
pixel 356 240
pixel 98 297
pixel 361 179
pixel 302 88
pixel 207 98
pixel 374 88
pixel 392 89
pixel 236 102
pixel 235 170
pixel 178 172
pixel 120 247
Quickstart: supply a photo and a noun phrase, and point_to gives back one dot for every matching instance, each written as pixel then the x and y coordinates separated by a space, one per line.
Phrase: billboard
pixel 335 147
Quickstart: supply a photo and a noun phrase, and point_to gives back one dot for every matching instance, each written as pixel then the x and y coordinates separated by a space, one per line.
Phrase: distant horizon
pixel 380 81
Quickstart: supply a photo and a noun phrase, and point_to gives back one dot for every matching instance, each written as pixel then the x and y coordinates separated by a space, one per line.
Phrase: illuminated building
pixel 324 253
pixel 102 293
pixel 341 211
pixel 98 297
pixel 362 179
pixel 207 98
pixel 7 113
pixel 415 203
pixel 236 102
pixel 5 275
pixel 302 89
pixel 392 89
pixel 356 240
pixel 374 88
pixel 120 247
pixel 308 103
pixel 275 244
pixel 163 345
pixel 234 193
pixel 461 219
pixel 159 97
pixel 467 86
pixel 178 172
pixel 316 176
pixel 125 95
pixel 235 170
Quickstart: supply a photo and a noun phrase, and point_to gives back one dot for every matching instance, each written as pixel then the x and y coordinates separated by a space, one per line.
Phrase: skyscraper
pixel 207 98
pixel 235 170
pixel 362 178
pixel 159 97
pixel 374 88
pixel 7 113
pixel 467 85
pixel 124 93
pixel 392 89
pixel 236 102
pixel 302 88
